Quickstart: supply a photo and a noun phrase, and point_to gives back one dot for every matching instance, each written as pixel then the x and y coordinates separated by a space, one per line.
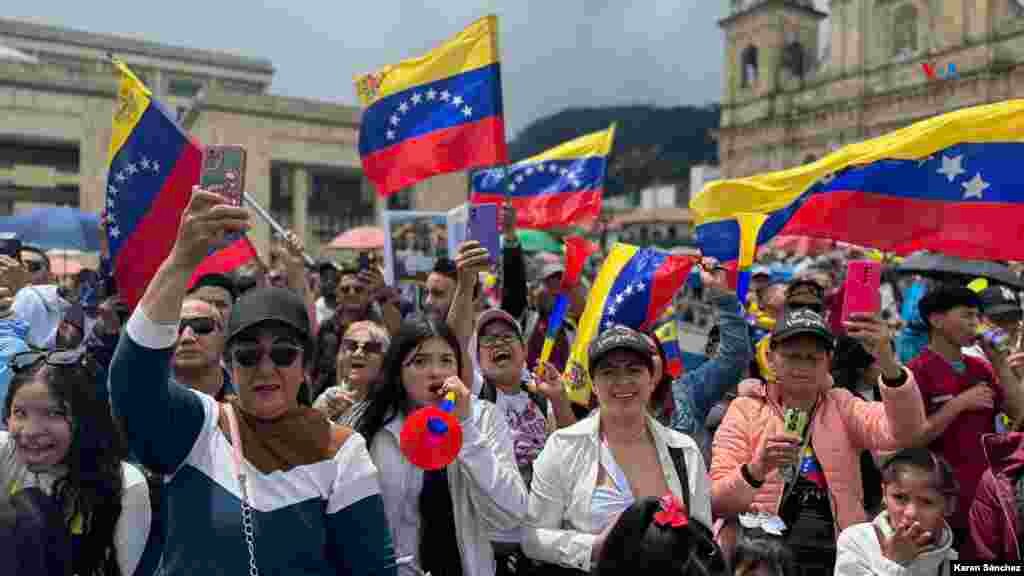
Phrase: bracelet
pixel 749 478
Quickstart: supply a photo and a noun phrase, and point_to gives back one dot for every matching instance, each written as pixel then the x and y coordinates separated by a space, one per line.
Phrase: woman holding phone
pixel 258 483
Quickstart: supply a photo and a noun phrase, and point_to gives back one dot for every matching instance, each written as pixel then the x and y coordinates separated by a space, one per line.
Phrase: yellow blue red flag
pixel 949 184
pixel 558 187
pixel 438 113
pixel 632 287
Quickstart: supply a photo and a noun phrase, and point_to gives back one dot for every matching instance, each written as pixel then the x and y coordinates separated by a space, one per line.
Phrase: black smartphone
pixel 364 261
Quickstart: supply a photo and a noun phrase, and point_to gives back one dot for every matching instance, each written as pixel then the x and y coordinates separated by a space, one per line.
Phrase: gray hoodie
pixel 858 553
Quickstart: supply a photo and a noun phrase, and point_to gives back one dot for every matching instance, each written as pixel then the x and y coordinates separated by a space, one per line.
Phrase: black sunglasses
pixel 23 361
pixel 281 354
pixel 33 266
pixel 200 326
pixel 368 347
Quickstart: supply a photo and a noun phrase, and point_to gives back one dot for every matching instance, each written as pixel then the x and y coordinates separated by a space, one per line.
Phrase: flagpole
pixel 273 224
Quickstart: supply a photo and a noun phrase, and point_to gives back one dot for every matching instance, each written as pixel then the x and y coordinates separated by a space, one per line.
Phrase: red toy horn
pixel 432 437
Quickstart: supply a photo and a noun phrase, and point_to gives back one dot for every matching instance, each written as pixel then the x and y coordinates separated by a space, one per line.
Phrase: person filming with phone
pixel 786 460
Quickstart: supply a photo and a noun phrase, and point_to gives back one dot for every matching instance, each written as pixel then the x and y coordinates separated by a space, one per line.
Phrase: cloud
pixel 555 54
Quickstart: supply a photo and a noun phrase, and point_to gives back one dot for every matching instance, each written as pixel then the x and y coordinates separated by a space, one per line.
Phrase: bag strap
pixel 679 460
pixel 248 529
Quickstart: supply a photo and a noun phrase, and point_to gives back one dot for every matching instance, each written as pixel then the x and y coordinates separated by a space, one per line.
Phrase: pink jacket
pixel 843 426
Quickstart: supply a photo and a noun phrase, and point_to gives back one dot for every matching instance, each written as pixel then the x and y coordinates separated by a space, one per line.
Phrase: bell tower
pixel 770 45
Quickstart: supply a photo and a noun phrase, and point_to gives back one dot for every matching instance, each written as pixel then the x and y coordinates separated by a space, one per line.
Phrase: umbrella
pixel 538 241
pixel 361 238
pixel 943 267
pixel 55 227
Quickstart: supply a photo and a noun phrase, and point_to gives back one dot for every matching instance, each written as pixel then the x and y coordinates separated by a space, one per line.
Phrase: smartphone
pixel 364 261
pixel 796 421
pixel 224 172
pixel 10 245
pixel 483 227
pixel 861 293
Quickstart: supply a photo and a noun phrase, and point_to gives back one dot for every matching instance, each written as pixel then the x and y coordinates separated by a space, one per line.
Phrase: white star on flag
pixel 563 171
pixel 467 111
pixel 403 107
pixel 619 299
pixel 111 190
pixel 120 177
pixel 529 171
pixel 552 168
pixel 394 120
pixel 611 310
pixel 974 187
pixel 111 218
pixel 114 232
pixel 457 101
pixel 391 134
pixel 416 98
pixel 640 286
pixel 144 162
pixel 156 167
pixel 431 94
pixel 131 169
pixel 511 187
pixel 629 290
pixel 519 178
pixel 952 167
pixel 445 95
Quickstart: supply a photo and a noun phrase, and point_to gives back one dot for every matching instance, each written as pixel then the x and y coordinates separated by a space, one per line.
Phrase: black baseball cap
pixel 619 338
pixel 945 297
pixel 999 301
pixel 260 305
pixel 803 322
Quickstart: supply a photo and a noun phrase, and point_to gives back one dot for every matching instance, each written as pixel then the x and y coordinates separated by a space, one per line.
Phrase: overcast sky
pixel 556 53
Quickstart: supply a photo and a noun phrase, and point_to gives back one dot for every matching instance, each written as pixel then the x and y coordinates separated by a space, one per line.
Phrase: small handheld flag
pixel 750 225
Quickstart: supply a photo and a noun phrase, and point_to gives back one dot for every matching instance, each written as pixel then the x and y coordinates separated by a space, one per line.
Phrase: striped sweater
pixel 317 519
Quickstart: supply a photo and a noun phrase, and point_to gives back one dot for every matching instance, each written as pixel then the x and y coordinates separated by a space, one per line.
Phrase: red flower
pixel 673 512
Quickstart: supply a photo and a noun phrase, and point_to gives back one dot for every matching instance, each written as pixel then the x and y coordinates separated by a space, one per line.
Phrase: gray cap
pixel 619 337
pixel 803 321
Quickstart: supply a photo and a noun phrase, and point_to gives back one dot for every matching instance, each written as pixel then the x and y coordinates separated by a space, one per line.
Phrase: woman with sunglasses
pixel 63 443
pixel 358 363
pixel 258 483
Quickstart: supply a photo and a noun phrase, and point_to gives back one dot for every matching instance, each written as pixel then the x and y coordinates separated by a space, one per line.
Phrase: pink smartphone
pixel 224 172
pixel 861 295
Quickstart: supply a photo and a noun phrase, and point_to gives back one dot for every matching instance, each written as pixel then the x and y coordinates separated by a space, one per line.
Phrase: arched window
pixel 904 31
pixel 748 66
pixel 793 59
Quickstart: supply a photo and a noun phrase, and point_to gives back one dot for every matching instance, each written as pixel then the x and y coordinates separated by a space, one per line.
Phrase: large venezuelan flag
pixel 950 184
pixel 558 187
pixel 152 167
pixel 632 288
pixel 438 113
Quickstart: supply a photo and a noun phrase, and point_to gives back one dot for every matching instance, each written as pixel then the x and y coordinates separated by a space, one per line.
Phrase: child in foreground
pixel 910 537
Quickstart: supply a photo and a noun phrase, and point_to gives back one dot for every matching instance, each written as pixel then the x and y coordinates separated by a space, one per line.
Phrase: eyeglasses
pixel 200 326
pixel 490 341
pixel 281 354
pixel 367 347
pixel 33 266
pixel 23 361
pixel 351 289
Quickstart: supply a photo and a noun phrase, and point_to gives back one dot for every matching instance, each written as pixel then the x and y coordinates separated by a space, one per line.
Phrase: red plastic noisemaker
pixel 432 437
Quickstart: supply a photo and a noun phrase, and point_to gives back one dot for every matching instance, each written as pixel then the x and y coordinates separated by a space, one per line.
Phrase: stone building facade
pixel 787 100
pixel 57 90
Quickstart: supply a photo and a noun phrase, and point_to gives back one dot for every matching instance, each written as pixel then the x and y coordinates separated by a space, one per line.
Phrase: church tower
pixel 770 46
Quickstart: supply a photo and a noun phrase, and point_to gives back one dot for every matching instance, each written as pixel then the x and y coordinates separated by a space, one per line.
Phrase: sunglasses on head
pixel 368 347
pixel 281 353
pixel 200 326
pixel 27 360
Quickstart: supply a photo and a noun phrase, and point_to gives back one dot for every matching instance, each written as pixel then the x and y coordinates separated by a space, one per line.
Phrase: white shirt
pixel 561 526
pixel 42 308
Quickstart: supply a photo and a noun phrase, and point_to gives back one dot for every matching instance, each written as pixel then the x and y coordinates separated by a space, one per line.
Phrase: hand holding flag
pixel 577 250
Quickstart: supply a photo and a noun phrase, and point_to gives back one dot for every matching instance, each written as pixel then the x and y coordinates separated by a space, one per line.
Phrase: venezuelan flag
pixel 558 187
pixel 668 335
pixel 152 166
pixel 632 288
pixel 226 259
pixel 438 113
pixel 949 184
pixel 810 469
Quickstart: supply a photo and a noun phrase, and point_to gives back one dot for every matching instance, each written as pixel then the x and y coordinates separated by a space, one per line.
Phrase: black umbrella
pixel 947 267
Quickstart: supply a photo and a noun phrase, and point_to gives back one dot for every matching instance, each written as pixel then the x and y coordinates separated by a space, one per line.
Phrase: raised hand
pixel 905 544
pixel 204 225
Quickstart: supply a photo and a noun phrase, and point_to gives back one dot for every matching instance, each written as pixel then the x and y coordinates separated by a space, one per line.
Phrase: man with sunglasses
pixel 39 304
pixel 199 351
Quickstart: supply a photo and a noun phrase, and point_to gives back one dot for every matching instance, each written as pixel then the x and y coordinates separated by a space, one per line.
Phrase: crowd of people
pixel 252 423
